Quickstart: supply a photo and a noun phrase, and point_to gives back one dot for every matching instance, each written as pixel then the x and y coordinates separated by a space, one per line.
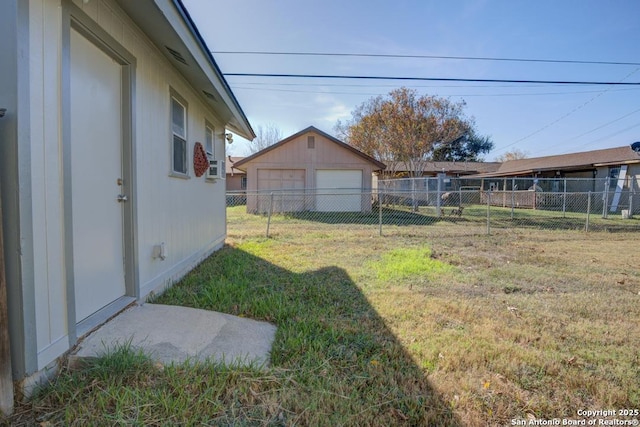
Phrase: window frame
pixel 613 182
pixel 208 127
pixel 175 97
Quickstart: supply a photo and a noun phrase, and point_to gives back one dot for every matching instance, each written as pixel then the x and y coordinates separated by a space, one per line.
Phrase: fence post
pixel 379 214
pixel 564 200
pixel 439 199
pixel 513 185
pixel 488 212
pixel 605 199
pixel 586 225
pixel 414 206
pixel 270 211
pixel 632 189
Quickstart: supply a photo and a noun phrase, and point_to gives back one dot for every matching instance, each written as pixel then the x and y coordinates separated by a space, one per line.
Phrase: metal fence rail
pixel 463 211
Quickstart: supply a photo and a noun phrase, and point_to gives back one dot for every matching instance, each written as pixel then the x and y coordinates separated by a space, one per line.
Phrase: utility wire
pixel 569 113
pixel 437 79
pixel 392 85
pixel 239 87
pixel 466 58
pixel 605 125
pixel 609 136
pixel 595 129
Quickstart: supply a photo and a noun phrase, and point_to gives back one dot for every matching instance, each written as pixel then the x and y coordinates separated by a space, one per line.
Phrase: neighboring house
pixel 615 171
pixel 236 178
pixel 619 163
pixel 309 171
pixel 101 202
pixel 450 169
pixel 396 174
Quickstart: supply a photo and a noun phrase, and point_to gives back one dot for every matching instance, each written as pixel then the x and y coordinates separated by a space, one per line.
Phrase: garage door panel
pixel 287 186
pixel 339 190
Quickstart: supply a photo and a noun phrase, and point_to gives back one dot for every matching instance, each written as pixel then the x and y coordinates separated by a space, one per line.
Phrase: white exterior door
pixel 96 168
pixel 339 190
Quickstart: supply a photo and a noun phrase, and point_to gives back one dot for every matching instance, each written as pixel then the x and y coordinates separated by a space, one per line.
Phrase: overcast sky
pixel 539 119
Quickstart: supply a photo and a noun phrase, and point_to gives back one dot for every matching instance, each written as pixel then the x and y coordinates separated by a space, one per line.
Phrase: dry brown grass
pixel 531 323
pixel 426 325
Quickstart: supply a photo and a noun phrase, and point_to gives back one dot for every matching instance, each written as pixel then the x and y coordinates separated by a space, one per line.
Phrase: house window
pixel 311 142
pixel 179 135
pixel 614 176
pixel 209 138
pixel 243 183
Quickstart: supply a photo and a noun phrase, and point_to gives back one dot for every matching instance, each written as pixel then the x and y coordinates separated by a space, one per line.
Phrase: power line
pixel 466 58
pixel 606 124
pixel 395 85
pixel 436 79
pixel 606 136
pixel 569 113
pixel 598 128
pixel 238 87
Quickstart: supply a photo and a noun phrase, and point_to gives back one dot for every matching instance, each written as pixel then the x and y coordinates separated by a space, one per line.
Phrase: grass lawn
pixel 411 328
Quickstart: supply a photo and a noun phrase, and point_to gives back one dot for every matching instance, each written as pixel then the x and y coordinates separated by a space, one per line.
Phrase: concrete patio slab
pixel 173 334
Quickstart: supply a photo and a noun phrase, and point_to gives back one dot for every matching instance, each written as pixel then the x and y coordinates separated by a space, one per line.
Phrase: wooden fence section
pixel 506 199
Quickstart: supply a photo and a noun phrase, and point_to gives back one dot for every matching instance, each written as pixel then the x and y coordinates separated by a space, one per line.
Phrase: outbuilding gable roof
pixel 572 161
pixel 379 165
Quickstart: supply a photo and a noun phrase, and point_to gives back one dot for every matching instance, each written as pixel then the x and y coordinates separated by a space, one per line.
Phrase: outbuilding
pixel 309 171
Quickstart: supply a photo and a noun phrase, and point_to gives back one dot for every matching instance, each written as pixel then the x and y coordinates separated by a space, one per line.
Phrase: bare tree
pixel 514 154
pixel 266 136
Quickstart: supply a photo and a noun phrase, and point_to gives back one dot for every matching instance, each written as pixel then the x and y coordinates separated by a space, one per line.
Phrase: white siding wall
pixel 188 215
pixel 46 175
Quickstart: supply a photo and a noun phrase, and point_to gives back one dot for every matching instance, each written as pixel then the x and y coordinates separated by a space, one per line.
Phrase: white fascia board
pixel 198 49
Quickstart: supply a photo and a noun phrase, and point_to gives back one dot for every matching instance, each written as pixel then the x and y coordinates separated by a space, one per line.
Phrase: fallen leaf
pixel 514 311
pixel 399 414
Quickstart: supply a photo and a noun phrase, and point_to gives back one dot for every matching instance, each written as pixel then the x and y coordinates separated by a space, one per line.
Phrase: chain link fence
pixel 449 206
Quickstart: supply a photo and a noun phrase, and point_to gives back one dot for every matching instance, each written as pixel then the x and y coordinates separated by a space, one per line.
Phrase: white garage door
pixel 287 186
pixel 339 190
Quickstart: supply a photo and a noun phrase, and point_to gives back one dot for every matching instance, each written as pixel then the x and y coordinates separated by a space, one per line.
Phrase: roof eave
pixel 621 162
pixel 168 24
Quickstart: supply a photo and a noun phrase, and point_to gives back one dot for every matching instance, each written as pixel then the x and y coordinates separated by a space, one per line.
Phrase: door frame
pixel 74 18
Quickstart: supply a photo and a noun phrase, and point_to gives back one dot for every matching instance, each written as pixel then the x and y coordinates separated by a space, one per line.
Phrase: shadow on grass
pixel 334 359
pixel 564 223
pixel 390 216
